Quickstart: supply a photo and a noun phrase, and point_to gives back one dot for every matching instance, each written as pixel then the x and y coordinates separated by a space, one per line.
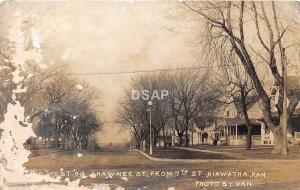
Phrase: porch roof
pixel 239 121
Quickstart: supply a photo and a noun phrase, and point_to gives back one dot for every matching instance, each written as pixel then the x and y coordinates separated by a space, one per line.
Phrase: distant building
pixel 228 127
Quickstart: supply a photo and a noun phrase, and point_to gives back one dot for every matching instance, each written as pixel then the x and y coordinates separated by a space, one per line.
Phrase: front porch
pixel 235 133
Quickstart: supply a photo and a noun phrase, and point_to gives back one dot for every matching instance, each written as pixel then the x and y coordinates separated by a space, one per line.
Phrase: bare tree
pixel 161 114
pixel 190 97
pixel 66 105
pixel 237 88
pixel 132 114
pixel 227 28
pixel 135 112
pixel 189 91
pixel 175 108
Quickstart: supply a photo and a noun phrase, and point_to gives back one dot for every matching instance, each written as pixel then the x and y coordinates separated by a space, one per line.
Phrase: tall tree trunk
pixel 46 143
pixel 266 108
pixel 64 143
pixel 247 122
pixel 180 135
pixel 278 138
pixel 155 138
pixel 192 137
pixel 164 137
pixel 140 145
pixel 187 133
pixel 57 141
pixel 249 137
pixel 137 139
pixel 186 137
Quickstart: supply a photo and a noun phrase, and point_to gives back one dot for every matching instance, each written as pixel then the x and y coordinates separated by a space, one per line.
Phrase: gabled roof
pixel 239 107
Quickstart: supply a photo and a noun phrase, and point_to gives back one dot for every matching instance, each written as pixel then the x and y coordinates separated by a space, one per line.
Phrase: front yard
pixel 223 152
pixel 172 153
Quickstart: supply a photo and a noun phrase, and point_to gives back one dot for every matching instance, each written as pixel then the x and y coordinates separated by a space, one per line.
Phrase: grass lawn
pixel 227 147
pixel 294 153
pixel 239 152
pixel 172 153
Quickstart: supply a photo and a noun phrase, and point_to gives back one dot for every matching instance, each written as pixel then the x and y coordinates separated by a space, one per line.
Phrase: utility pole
pixel 285 119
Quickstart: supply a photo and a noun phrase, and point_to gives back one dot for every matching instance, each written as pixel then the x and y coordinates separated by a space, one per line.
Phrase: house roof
pixel 293 82
pixel 297 111
pixel 239 107
pixel 234 121
pixel 238 121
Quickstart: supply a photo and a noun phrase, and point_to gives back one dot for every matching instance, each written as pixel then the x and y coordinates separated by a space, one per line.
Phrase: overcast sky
pixel 108 37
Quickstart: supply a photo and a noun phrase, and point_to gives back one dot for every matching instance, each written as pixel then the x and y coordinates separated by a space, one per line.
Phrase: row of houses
pixel 229 128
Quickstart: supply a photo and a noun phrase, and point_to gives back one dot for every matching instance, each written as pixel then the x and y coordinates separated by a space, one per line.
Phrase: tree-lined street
pixel 150 95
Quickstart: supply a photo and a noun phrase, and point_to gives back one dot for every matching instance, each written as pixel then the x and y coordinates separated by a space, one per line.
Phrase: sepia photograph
pixel 149 95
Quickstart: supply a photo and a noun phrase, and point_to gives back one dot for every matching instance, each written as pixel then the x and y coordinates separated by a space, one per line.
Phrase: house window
pixel 227 113
pixel 267 130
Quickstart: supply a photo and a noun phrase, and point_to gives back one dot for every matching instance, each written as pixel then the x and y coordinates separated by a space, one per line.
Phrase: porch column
pixel 262 132
pixel 200 135
pixel 235 132
pixel 227 136
pixel 173 136
pixel 228 131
